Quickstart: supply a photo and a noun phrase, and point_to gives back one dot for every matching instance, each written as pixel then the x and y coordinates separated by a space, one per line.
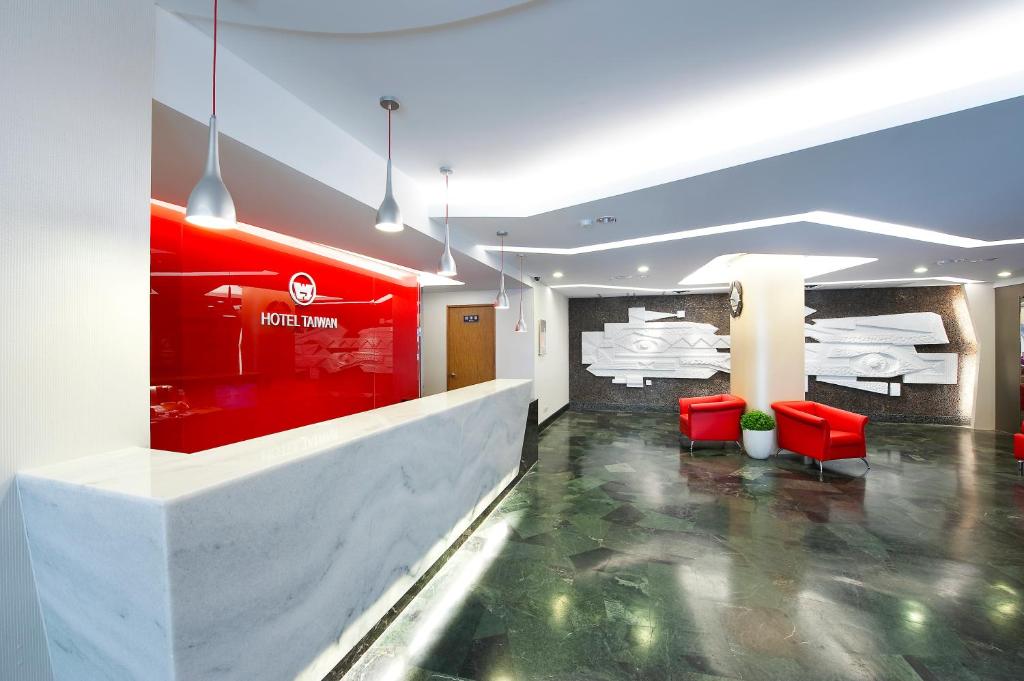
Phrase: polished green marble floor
pixel 621 557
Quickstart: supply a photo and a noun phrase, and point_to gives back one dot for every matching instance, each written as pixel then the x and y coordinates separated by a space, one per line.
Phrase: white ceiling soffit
pixel 943 194
pixel 543 105
pixel 819 217
pixel 350 18
pixel 719 270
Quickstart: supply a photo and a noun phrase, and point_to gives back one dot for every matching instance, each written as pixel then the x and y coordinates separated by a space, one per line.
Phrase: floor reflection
pixel 621 557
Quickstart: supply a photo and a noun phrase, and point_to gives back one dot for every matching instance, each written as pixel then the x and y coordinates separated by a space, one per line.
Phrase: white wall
pixel 74 260
pixel 516 353
pixel 552 369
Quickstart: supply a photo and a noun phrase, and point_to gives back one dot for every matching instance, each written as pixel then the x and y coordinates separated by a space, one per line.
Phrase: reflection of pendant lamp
pixel 521 324
pixel 389 216
pixel 446 268
pixel 502 302
pixel 210 204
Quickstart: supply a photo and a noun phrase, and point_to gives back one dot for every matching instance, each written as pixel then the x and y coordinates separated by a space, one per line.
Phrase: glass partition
pixel 250 336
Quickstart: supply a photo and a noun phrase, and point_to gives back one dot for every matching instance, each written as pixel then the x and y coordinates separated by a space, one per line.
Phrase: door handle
pixel 452 375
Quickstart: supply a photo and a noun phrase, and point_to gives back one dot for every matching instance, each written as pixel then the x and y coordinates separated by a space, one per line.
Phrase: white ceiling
pixel 556 110
pixel 962 174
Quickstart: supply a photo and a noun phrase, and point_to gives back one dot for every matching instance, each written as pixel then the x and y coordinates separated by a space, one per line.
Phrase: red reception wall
pixel 241 346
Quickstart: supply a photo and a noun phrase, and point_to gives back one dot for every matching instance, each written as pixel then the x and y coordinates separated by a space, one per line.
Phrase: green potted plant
pixel 758 434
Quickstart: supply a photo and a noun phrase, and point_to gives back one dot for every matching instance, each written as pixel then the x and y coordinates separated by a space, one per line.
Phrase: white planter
pixel 759 444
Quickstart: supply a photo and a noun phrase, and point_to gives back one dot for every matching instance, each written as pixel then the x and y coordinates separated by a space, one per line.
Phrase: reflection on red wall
pixel 239 349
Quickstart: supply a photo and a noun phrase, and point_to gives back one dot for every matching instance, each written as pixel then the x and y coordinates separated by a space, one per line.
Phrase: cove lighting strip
pixel 820 217
pixel 381 267
pixel 638 288
pixel 850 282
pixel 718 269
pixel 900 280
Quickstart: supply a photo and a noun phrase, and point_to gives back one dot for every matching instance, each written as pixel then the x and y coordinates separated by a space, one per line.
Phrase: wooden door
pixel 470 345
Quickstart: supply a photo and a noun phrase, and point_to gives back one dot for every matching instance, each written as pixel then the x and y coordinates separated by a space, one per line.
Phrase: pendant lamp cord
pixel 446 200
pixel 522 286
pixel 503 258
pixel 389 134
pixel 215 57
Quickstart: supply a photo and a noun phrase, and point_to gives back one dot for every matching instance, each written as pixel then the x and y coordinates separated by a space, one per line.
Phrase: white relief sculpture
pixel 882 346
pixel 645 348
pixel 847 349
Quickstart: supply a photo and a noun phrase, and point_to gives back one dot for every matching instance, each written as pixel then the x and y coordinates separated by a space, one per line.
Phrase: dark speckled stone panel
pixel 587 391
pixel 918 403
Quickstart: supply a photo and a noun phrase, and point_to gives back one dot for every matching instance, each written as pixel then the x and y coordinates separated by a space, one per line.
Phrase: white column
pixel 75 163
pixel 768 336
pixel 981 304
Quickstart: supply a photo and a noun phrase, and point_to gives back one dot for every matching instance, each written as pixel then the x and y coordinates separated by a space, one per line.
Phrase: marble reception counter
pixel 266 559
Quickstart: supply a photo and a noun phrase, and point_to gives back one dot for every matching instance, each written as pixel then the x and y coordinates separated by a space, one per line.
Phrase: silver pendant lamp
pixel 502 302
pixel 389 216
pixel 521 324
pixel 210 204
pixel 446 268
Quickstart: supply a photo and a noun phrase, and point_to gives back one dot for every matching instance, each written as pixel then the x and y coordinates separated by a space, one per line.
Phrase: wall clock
pixel 736 298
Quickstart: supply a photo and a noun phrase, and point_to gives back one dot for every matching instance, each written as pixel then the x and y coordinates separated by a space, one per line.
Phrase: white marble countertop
pixel 163 476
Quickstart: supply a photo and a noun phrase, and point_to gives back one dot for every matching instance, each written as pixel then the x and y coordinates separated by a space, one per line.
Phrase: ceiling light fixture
pixel 607 219
pixel 643 269
pixel 1004 274
pixel 446 268
pixel 389 215
pixel 920 270
pixel 521 323
pixel 557 275
pixel 210 204
pixel 819 217
pixel 501 302
pixel 382 267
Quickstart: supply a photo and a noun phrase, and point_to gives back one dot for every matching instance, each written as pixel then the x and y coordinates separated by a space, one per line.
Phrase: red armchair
pixel 716 417
pixel 1018 449
pixel 820 432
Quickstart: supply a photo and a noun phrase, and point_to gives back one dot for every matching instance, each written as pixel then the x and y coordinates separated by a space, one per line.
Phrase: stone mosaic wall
pixel 917 403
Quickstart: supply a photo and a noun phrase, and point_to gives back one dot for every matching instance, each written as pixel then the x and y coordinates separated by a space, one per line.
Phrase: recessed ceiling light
pixel 1005 274
pixel 643 268
pixel 607 219
pixel 586 222
pixel 557 275
pixel 920 270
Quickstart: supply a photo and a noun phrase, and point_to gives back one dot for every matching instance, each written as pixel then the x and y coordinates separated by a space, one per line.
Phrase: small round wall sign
pixel 736 298
pixel 302 288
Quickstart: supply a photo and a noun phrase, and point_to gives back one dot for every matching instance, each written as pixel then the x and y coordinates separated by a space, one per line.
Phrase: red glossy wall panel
pixel 234 355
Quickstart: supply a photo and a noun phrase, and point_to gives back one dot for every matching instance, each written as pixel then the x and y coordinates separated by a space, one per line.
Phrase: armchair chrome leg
pixel 1020 467
pixel 691 447
pixel 865 460
pixel 821 471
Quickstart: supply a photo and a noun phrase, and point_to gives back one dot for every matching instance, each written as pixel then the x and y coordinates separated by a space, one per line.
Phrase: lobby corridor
pixel 621 557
